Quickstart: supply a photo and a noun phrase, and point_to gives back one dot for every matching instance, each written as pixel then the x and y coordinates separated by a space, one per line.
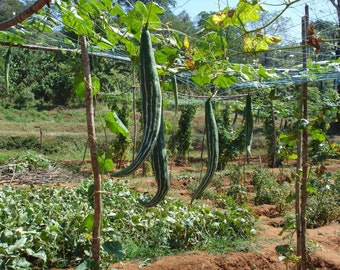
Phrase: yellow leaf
pixel 219 18
pixel 273 39
pixel 88 236
pixel 186 43
pixel 247 44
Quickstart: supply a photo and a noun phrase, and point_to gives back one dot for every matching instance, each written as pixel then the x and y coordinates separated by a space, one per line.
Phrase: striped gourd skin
pixel 249 122
pixel 160 167
pixel 213 150
pixel 151 104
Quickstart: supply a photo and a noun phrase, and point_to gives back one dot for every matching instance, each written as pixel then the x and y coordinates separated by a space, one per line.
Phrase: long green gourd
pixel 160 167
pixel 7 66
pixel 213 149
pixel 249 122
pixel 151 104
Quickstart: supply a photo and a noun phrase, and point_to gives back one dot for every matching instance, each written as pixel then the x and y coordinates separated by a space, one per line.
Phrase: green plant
pixel 323 201
pixel 120 145
pixel 287 254
pixel 237 190
pixel 180 142
pixel 213 151
pixel 226 136
pixel 269 191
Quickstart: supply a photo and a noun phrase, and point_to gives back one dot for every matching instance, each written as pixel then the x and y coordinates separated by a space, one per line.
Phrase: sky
pixel 318 9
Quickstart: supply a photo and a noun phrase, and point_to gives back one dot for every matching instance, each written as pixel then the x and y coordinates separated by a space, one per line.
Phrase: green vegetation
pixel 50 226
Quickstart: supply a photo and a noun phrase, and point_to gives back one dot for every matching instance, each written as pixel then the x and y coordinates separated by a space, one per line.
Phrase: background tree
pixel 10 7
pixel 181 22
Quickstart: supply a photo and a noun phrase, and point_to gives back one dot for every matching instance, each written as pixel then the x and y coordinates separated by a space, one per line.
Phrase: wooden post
pixel 301 185
pixel 94 153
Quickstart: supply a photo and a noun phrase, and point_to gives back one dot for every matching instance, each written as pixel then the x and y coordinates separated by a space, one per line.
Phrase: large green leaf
pixel 88 223
pixel 79 85
pixel 114 248
pixel 39 254
pixel 166 54
pixel 202 76
pixel 224 80
pixel 12 37
pixel 77 22
pixel 140 15
pixel 114 124
pixel 246 12
pixel 105 164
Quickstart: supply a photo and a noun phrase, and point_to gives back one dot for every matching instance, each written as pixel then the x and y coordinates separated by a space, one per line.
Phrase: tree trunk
pixel 94 154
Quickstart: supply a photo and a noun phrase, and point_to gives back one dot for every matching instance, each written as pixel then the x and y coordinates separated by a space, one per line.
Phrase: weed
pixel 323 201
pixel 269 191
pixel 237 189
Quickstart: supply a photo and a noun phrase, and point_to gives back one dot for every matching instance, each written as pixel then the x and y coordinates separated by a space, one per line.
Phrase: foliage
pixel 324 198
pixel 227 136
pixel 180 142
pixel 237 190
pixel 269 191
pixel 31 87
pixel 51 226
pixel 31 143
pixel 8 7
pixel 120 145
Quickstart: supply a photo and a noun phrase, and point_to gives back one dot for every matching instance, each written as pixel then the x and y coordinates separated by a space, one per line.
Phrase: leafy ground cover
pixel 49 226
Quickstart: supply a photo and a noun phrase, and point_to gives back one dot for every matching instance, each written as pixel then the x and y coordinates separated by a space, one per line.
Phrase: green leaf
pixel 115 125
pixel 140 15
pixel 202 76
pixel 311 189
pixel 78 23
pixel 272 39
pixel 166 55
pixel 39 254
pixel 254 43
pixel 114 248
pixel 20 243
pixel 11 37
pixel 116 10
pixel 20 263
pixel 293 156
pixel 224 81
pixel 105 164
pixel 283 249
pixel 246 12
pixel 79 85
pixel 87 224
pixel 318 134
